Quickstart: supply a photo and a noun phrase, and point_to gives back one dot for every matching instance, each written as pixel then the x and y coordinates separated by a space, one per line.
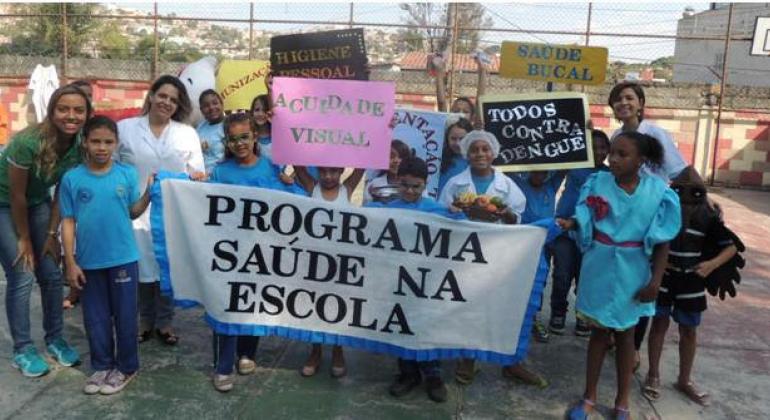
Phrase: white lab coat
pixel 178 149
pixel 501 186
pixel 43 82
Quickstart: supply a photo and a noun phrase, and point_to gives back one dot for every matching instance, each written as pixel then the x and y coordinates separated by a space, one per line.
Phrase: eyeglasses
pixel 413 187
pixel 241 138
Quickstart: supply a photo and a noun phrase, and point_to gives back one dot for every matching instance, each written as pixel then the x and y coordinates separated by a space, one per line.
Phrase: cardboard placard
pixel 553 63
pixel 539 131
pixel 320 55
pixel 344 123
pixel 240 81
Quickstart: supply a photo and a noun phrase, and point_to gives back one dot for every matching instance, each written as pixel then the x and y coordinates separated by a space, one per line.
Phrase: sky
pixel 650 18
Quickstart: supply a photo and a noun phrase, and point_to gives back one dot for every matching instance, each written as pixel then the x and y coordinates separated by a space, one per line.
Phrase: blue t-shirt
pixel 424 204
pixel 263 174
pixel 540 201
pixel 213 135
pixel 481 183
pixel 100 205
pixel 265 146
pixel 569 197
pixel 458 165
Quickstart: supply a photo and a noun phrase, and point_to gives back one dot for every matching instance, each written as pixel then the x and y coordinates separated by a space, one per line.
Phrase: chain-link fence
pixel 695 63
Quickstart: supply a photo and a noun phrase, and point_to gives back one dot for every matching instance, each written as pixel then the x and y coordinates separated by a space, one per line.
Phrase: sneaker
pixel 115 382
pixel 556 325
pixel 404 384
pixel 30 363
pixel 95 382
pixel 540 332
pixel 223 383
pixel 63 353
pixel 582 329
pixel 436 389
pixel 246 366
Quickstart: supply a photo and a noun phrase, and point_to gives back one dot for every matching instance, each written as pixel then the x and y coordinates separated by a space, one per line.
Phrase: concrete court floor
pixel 733 363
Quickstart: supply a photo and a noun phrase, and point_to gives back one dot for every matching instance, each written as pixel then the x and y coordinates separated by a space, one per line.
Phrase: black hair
pixel 413 166
pixel 208 92
pixel 183 106
pixel 469 102
pixel 81 82
pixel 447 155
pixel 237 118
pixel 265 101
pixel 99 121
pixel 636 87
pixel 402 149
pixel 648 147
pixel 596 133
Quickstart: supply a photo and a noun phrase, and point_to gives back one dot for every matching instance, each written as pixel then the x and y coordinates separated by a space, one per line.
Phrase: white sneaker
pixel 223 383
pixel 95 382
pixel 246 366
pixel 115 382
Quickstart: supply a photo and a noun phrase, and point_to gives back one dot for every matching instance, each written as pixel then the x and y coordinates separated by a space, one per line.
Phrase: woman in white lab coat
pixel 158 140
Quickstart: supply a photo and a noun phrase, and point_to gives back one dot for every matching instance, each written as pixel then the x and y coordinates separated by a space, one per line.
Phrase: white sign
pixel 403 282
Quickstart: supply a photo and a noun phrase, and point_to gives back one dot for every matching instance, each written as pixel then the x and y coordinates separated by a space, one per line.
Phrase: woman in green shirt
pixel 33 162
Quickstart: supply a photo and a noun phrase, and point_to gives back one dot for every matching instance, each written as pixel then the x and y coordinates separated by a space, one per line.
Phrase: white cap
pixel 482 135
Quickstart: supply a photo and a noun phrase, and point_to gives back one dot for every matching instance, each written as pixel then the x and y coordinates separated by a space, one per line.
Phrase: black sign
pixel 320 55
pixel 539 132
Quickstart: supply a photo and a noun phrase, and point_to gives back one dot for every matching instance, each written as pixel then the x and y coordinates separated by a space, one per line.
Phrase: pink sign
pixel 342 123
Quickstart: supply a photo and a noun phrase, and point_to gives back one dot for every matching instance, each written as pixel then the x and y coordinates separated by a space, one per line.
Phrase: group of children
pixel 618 222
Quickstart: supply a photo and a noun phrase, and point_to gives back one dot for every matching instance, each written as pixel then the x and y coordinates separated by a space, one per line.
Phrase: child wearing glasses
pixel 412 176
pixel 327 187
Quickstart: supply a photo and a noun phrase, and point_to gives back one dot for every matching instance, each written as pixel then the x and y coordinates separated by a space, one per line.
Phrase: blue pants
pixel 566 266
pixel 227 346
pixel 109 315
pixel 428 368
pixel 20 281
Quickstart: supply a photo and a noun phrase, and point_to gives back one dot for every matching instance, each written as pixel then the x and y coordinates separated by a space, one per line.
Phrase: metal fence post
pixel 722 84
pixel 155 50
pixel 64 46
pixel 251 31
pixel 453 49
pixel 350 22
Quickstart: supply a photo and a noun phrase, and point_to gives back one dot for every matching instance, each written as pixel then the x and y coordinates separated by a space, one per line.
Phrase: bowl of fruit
pixel 480 207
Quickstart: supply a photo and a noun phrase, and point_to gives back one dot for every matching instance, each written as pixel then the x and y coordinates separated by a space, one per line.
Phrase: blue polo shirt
pixel 541 201
pixel 100 205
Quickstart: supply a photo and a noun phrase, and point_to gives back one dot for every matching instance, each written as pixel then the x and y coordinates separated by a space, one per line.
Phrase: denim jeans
pixel 20 281
pixel 566 266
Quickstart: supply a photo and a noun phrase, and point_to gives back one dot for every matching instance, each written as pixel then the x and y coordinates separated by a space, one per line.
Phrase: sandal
pixel 651 388
pixel 579 412
pixel 523 375
pixel 310 367
pixel 693 393
pixel 622 413
pixel 466 371
pixel 144 336
pixel 168 338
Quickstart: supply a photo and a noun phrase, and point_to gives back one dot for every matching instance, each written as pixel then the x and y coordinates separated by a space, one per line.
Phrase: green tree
pixel 42 32
pixel 433 20
pixel 112 42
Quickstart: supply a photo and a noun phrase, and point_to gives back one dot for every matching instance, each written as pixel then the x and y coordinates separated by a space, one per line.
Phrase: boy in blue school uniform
pixel 412 177
pixel 540 188
pixel 566 256
pixel 97 200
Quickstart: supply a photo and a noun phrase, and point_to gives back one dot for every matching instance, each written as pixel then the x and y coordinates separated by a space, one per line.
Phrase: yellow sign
pixel 239 81
pixel 553 63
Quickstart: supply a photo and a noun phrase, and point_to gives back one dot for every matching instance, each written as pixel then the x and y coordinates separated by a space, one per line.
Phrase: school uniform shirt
pixel 501 186
pixel 178 149
pixel 265 146
pixel 681 287
pixel 617 246
pixel 458 165
pixel 673 162
pixel 541 202
pixel 100 205
pixel 263 174
pixel 575 179
pixel 213 135
pixel 22 152
pixel 424 204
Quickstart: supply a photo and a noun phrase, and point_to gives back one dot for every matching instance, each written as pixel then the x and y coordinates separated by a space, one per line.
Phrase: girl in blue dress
pixel 452 160
pixel 623 222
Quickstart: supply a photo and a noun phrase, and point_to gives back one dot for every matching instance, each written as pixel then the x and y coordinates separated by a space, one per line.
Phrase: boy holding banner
pixel 412 178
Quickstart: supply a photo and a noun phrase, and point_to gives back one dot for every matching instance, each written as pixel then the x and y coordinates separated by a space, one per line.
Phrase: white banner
pixel 423 132
pixel 412 284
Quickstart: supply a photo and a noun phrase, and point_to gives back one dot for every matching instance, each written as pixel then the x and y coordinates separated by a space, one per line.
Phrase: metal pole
pixel 64 46
pixel 722 84
pixel 588 22
pixel 155 53
pixel 350 22
pixel 455 35
pixel 251 30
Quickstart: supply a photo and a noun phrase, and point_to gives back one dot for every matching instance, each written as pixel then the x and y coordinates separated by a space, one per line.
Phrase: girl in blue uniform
pixel 623 221
pixel 452 160
pixel 210 130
